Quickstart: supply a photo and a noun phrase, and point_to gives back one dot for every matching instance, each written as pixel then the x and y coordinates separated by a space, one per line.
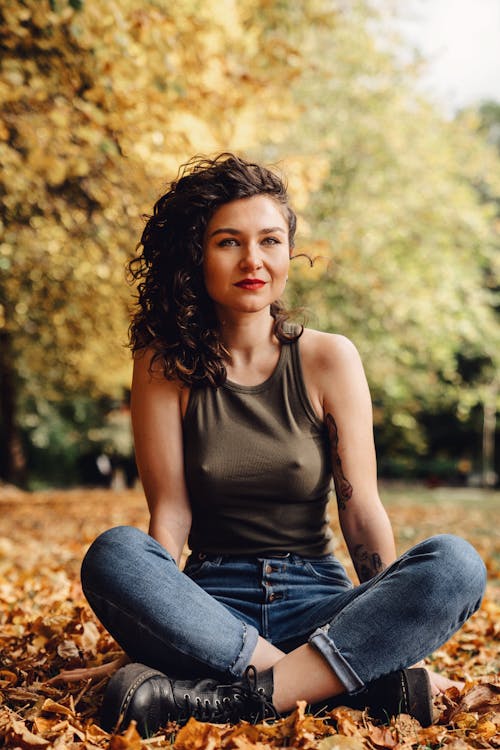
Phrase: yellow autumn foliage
pixel 101 100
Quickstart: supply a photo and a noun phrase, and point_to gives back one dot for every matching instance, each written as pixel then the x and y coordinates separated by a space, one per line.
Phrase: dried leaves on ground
pixel 55 657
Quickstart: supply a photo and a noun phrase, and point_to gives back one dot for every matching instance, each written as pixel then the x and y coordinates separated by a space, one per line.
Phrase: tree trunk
pixel 12 458
pixel 489 477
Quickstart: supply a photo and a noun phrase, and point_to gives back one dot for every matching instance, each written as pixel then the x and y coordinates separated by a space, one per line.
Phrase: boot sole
pixel 417 690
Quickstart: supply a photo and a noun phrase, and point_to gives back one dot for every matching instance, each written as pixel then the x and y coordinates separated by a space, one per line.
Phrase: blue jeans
pixel 205 621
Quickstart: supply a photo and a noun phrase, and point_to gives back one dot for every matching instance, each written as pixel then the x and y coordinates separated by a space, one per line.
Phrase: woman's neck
pixel 253 350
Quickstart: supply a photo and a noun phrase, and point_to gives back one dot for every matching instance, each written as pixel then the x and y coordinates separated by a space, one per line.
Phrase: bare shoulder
pixel 149 371
pixel 332 370
pixel 327 351
pixel 149 382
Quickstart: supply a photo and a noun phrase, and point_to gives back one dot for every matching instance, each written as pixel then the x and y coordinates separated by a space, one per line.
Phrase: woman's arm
pixel 157 425
pixel 343 394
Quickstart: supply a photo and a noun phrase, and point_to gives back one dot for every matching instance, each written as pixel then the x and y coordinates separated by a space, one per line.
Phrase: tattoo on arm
pixel 367 564
pixel 343 488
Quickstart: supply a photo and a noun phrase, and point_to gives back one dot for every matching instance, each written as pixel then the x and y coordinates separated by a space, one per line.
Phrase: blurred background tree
pixel 102 100
pixel 405 216
pixel 100 103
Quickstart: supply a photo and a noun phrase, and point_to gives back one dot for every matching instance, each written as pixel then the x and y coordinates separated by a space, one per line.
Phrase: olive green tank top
pixel 257 466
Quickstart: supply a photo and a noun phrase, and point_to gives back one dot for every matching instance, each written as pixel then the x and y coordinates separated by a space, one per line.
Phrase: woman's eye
pixel 271 241
pixel 228 242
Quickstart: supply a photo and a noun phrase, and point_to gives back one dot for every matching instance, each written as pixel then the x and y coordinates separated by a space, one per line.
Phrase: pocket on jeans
pixel 196 566
pixel 327 568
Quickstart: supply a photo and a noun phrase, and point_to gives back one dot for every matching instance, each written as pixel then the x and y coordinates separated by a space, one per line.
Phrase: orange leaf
pixel 348 720
pixel 129 740
pixel 382 737
pixel 486 728
pixel 243 743
pixel 196 735
pixel 481 698
pixel 52 707
pixel 7 678
pixel 465 720
pixel 341 742
pixel 22 737
pixel 432 735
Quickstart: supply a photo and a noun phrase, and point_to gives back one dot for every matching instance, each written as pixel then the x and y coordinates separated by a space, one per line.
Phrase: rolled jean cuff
pixel 250 636
pixel 326 647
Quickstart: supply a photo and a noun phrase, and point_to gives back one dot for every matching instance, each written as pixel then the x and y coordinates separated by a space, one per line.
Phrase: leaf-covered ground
pixel 46 629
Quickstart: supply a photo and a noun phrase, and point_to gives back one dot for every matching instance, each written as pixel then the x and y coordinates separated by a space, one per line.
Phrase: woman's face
pixel 246 255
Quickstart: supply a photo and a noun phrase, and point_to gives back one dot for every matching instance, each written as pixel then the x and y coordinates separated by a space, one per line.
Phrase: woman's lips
pixel 250 284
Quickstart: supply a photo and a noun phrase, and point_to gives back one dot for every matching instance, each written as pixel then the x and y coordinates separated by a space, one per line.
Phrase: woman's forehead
pixel 248 211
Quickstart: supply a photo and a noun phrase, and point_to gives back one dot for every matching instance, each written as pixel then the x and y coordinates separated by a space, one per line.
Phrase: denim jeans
pixel 205 621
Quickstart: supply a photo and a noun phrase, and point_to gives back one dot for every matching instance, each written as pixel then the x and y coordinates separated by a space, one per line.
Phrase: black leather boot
pixel 152 699
pixel 405 692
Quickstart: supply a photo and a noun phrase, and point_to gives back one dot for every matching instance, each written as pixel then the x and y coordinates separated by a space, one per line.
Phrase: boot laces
pixel 243 700
pixel 206 709
pixel 256 696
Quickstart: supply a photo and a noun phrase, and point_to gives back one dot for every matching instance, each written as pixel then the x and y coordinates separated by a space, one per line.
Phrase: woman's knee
pixel 101 553
pixel 117 549
pixel 454 551
pixel 456 567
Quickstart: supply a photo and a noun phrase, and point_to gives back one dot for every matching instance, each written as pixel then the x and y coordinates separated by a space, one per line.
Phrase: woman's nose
pixel 250 258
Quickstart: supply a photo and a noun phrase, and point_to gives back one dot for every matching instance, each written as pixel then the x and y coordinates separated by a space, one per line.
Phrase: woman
pixel 241 420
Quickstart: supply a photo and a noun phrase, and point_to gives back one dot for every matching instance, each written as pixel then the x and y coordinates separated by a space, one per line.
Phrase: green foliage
pixel 409 247
pixel 489 122
pixel 75 4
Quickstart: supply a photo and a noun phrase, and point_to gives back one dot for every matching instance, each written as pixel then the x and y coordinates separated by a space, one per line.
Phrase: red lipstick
pixel 250 284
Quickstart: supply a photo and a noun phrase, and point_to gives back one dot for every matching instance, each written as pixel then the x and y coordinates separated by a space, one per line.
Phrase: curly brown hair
pixel 174 314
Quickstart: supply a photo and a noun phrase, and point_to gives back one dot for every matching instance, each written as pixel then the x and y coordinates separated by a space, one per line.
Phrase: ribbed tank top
pixel 257 466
